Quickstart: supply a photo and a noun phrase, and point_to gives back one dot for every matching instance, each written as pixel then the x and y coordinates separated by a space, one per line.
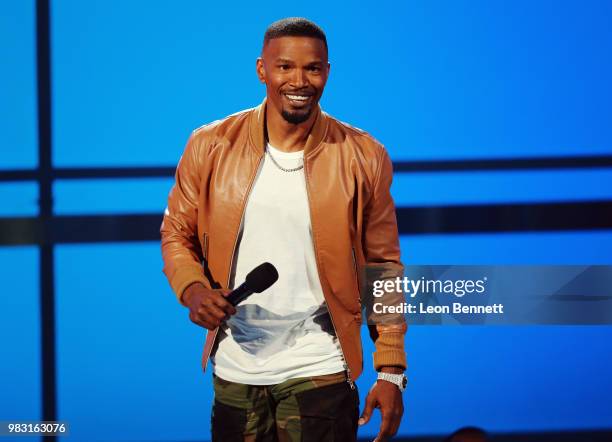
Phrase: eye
pixel 314 69
pixel 283 67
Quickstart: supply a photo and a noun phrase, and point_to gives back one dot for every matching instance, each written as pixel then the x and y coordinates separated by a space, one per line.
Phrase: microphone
pixel 258 280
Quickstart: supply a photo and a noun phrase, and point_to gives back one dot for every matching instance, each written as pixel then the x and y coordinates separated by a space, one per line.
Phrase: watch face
pixel 404 381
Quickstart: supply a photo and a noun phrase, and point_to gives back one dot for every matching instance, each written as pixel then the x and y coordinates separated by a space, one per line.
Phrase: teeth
pixel 298 97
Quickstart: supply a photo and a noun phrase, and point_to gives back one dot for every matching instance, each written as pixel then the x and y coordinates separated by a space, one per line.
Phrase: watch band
pixel 397 379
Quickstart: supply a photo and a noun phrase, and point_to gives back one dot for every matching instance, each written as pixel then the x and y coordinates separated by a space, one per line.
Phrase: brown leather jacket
pixel 354 229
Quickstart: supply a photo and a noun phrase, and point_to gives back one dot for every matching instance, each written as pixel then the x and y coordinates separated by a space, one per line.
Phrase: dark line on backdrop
pixel 90 172
pixel 21 231
pixel 80 229
pixel 571 162
pixel 114 172
pixel 500 218
pixel 18 175
pixel 107 228
pixel 47 294
pixel 595 435
pixel 540 163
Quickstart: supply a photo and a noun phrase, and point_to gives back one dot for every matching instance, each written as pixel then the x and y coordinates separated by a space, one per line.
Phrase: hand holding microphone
pixel 209 308
pixel 257 280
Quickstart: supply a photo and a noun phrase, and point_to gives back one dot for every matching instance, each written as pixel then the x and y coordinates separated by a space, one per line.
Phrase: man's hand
pixel 207 308
pixel 388 398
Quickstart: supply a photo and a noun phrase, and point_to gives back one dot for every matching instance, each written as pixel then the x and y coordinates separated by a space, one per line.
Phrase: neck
pixel 284 135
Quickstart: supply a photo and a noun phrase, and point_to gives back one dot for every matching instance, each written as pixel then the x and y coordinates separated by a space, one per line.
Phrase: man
pixel 288 184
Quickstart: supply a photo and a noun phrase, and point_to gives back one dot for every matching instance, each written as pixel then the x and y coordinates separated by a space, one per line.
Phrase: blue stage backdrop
pixel 429 79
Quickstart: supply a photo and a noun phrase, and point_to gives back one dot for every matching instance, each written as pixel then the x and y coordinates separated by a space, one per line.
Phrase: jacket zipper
pixel 349 378
pixel 229 273
pixel 205 246
pixel 244 204
pixel 356 272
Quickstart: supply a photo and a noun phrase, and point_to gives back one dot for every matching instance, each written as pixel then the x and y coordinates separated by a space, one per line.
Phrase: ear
pixel 261 71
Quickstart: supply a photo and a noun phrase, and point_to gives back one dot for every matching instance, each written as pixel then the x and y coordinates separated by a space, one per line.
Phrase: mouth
pixel 299 100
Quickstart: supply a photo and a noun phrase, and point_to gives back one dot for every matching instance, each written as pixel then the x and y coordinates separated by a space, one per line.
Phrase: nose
pixel 299 79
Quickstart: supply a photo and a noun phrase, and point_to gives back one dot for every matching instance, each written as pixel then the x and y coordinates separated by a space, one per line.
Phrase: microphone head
pixel 261 277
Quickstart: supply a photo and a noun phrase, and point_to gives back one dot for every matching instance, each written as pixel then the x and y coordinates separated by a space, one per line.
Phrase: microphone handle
pixel 239 294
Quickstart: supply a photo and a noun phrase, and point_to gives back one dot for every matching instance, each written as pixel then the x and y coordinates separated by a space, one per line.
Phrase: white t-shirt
pixel 284 332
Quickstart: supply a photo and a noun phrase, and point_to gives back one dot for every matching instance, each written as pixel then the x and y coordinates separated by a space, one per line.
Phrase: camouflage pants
pixel 317 409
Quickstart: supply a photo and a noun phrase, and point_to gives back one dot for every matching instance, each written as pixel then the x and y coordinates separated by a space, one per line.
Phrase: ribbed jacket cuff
pixel 183 279
pixel 390 351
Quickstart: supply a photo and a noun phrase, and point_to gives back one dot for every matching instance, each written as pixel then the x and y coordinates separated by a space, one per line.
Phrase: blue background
pixel 430 79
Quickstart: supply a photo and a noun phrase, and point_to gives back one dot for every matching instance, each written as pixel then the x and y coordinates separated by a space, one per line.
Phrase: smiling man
pixel 288 184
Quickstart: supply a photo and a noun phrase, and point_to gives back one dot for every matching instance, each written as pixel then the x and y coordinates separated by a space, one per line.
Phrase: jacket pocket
pixel 205 246
pixel 356 277
pixel 355 271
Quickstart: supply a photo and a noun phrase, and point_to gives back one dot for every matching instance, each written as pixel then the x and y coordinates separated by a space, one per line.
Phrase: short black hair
pixel 294 27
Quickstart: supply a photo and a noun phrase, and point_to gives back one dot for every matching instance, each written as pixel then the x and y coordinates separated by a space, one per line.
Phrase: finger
pixel 218 299
pixel 397 420
pixel 385 425
pixel 395 424
pixel 212 312
pixel 210 321
pixel 367 410
pixel 210 324
pixel 224 305
pixel 196 319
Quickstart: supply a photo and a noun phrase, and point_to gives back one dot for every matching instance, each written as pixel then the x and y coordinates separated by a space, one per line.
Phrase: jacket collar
pixel 257 129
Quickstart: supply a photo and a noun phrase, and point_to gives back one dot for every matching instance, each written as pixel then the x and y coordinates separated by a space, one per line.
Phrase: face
pixel 294 70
